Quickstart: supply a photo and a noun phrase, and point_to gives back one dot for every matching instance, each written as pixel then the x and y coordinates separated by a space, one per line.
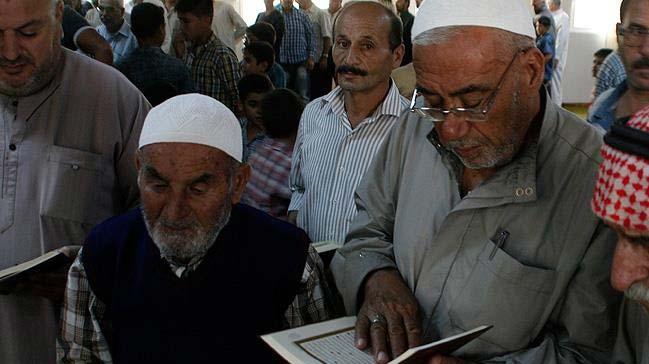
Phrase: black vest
pixel 216 314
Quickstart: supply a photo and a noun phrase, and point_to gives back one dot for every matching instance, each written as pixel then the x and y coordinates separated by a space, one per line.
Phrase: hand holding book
pixel 44 276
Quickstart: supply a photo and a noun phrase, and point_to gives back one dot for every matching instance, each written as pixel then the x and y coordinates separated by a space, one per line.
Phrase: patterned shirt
pixel 321 27
pixel 83 324
pixel 331 157
pixel 122 42
pixel 268 188
pixel 148 67
pixel 299 41
pixel 215 71
pixel 611 73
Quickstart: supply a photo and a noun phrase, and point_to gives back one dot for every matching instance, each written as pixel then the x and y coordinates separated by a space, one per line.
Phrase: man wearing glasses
pixel 633 94
pixel 476 209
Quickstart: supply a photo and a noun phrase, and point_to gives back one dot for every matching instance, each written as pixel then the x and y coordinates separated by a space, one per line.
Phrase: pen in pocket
pixel 502 238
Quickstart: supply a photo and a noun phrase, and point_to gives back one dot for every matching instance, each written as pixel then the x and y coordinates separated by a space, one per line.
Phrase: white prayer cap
pixel 196 119
pixel 511 15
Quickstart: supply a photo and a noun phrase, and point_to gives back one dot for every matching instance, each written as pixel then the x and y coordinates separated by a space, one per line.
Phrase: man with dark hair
pixel 115 29
pixel 545 43
pixel 252 89
pixel 274 18
pixel 341 131
pixel 268 188
pixel 78 34
pixel 148 66
pixel 68 133
pixel 297 53
pixel 406 19
pixel 258 58
pixel 264 32
pixel 598 59
pixel 213 66
pixel 631 95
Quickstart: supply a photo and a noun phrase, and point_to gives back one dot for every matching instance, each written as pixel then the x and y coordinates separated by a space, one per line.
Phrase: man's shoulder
pixel 581 140
pixel 269 234
pixel 110 236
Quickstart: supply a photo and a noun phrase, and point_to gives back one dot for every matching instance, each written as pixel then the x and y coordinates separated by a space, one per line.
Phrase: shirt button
pixel 519 192
pixel 15 103
pixel 529 191
pixel 12 147
pixel 75 167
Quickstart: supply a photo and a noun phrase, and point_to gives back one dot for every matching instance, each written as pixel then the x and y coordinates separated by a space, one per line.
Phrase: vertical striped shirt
pixel 330 158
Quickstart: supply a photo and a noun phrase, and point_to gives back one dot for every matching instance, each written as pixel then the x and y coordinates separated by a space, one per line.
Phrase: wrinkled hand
pixel 310 63
pixel 50 284
pixel 441 359
pixel 386 294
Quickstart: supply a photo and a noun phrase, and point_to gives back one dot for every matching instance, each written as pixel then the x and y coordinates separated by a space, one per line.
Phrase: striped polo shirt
pixel 330 158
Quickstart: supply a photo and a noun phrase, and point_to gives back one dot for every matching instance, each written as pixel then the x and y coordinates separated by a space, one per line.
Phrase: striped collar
pixel 391 105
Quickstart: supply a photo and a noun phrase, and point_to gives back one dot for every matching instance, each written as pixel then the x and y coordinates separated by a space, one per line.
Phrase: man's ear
pixel 397 55
pixel 266 66
pixel 239 182
pixel 138 160
pixel 533 68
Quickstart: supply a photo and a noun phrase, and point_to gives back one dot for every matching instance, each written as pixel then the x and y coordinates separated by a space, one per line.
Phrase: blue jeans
pixel 297 79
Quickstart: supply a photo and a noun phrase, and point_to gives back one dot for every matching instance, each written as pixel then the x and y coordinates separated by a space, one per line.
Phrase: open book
pixel 332 342
pixel 50 260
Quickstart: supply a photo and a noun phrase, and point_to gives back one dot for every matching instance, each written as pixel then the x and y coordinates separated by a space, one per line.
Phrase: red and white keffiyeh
pixel 622 190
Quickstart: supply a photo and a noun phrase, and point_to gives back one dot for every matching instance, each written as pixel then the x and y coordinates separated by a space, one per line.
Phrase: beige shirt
pixel 227 24
pixel 67 164
pixel 632 345
pixel 546 289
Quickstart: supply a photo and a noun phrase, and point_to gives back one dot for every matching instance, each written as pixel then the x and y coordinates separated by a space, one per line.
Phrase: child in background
pixel 268 188
pixel 258 58
pixel 264 32
pixel 252 89
pixel 545 43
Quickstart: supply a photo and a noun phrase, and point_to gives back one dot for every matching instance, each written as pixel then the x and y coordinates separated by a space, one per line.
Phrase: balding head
pixel 381 12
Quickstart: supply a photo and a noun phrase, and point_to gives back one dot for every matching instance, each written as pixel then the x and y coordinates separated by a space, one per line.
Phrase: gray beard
pixel 39 80
pixel 182 248
pixel 638 292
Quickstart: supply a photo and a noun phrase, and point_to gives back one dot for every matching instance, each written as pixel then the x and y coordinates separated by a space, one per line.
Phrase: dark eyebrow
pixel 204 178
pixel 151 172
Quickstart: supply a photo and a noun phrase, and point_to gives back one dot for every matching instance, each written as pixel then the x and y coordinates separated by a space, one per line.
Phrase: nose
pixel 9 48
pixel 177 206
pixel 630 265
pixel 453 128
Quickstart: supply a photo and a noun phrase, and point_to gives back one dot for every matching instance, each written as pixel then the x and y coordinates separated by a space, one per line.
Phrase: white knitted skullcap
pixel 511 15
pixel 196 119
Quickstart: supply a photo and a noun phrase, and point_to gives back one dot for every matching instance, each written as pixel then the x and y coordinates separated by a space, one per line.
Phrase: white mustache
pixel 638 291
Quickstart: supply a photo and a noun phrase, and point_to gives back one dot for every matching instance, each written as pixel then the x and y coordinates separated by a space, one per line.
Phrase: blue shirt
pixel 611 73
pixel 122 42
pixel 545 44
pixel 299 41
pixel 277 76
pixel 602 112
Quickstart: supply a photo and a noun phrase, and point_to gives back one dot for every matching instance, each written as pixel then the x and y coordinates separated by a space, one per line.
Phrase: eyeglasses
pixel 632 37
pixel 476 114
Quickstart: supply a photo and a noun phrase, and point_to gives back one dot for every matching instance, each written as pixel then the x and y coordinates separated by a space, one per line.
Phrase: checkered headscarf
pixel 622 190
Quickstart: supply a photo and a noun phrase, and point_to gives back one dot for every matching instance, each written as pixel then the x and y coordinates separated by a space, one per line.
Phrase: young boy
pixel 258 58
pixel 264 32
pixel 252 89
pixel 545 43
pixel 268 187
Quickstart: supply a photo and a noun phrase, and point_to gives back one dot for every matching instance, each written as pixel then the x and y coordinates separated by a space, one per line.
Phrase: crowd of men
pixel 189 188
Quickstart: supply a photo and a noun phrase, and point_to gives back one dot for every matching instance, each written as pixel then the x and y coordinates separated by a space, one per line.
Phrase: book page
pixel 337 348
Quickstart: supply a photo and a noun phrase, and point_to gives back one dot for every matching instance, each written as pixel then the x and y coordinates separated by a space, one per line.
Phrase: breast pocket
pixel 73 186
pixel 506 293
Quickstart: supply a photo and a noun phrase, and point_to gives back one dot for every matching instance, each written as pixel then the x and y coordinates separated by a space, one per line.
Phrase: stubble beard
pixel 41 77
pixel 638 292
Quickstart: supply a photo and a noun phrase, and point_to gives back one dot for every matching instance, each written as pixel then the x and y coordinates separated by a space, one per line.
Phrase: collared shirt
pixel 545 43
pixel 66 164
pixel 122 42
pixel 227 24
pixel 299 41
pixel 215 71
pixel 522 251
pixel 611 73
pixel 149 68
pixel 268 188
pixel 330 158
pixel 83 324
pixel 602 111
pixel 321 27
pixel 632 345
pixel 276 19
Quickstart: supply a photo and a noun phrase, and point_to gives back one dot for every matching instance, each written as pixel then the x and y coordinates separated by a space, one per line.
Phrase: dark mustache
pixel 17 62
pixel 351 69
pixel 641 63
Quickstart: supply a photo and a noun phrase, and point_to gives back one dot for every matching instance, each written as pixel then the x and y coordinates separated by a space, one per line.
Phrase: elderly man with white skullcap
pixel 476 209
pixel 190 276
pixel 621 199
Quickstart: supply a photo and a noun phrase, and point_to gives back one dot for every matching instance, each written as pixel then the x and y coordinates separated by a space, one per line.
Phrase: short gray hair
pixel 556 2
pixel 509 40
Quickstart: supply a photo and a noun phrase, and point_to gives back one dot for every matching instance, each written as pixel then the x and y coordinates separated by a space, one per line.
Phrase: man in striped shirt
pixel 341 131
